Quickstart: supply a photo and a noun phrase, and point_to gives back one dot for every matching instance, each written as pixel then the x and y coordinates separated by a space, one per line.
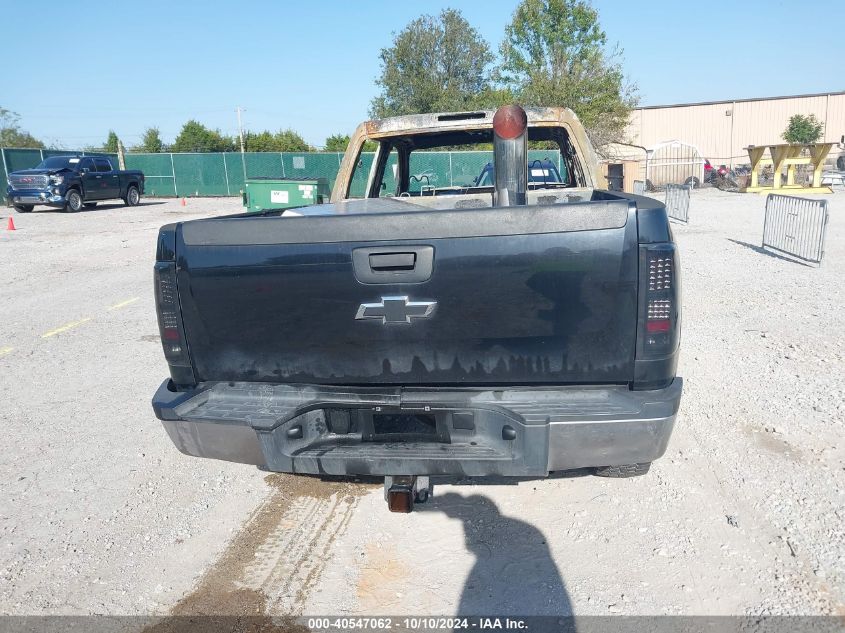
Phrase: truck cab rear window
pixel 415 165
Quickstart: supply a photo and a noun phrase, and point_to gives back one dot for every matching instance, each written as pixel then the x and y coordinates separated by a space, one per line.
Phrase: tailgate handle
pixel 400 263
pixel 393 261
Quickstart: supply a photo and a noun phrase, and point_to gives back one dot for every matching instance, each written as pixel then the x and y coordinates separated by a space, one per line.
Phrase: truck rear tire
pixel 24 208
pixel 628 470
pixel 133 197
pixel 73 201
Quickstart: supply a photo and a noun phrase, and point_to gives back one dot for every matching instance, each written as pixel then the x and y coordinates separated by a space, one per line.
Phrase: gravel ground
pixel 100 514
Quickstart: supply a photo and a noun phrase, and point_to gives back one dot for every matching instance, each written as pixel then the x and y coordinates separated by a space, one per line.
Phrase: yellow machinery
pixel 788 155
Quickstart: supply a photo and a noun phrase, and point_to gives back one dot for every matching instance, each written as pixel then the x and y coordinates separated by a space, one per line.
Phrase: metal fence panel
pixel 45 153
pixel 201 175
pixel 28 158
pixel 795 226
pixel 158 173
pixel 253 165
pixel 22 158
pixel 465 167
pixel 677 202
pixel 390 170
pixel 235 165
pixel 359 176
pixel 257 165
pixel 312 165
pixel 429 169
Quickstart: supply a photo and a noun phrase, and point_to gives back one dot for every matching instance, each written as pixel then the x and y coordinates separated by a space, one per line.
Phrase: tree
pixel 195 137
pixel 11 135
pixel 281 141
pixel 337 143
pixel 803 129
pixel 555 54
pixel 150 142
pixel 290 141
pixel 111 142
pixel 260 142
pixel 434 64
pixel 491 98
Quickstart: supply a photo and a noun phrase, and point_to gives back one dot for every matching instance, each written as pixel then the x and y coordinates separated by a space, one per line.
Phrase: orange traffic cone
pixel 11 225
pixel 184 202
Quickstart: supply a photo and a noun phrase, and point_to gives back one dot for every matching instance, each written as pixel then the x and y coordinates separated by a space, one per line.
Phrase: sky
pixel 312 66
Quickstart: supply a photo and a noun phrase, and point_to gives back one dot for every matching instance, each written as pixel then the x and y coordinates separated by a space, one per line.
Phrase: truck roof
pixel 471 120
pixel 443 129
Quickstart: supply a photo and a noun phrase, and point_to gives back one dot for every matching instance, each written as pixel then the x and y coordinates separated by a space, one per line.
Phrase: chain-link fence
pixel 222 174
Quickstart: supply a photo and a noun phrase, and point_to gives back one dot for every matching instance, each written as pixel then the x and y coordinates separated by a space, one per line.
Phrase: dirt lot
pixel 100 514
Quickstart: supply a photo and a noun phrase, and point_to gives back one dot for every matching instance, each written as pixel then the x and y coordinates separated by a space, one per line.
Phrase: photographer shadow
pixel 514 572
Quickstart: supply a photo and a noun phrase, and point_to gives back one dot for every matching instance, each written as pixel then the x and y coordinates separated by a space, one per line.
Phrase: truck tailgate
pixel 515 295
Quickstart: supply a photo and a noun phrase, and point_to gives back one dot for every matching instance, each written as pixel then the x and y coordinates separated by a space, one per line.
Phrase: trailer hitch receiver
pixel 402 491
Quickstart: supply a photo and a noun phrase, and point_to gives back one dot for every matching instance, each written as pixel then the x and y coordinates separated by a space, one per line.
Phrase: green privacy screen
pixel 219 174
pixel 200 175
pixel 158 173
pixel 223 174
pixel 216 174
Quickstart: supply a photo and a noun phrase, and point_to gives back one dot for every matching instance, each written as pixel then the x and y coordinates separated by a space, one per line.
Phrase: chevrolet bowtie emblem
pixel 396 310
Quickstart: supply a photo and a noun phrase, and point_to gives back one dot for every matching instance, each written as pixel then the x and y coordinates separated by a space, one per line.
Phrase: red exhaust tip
pixel 510 121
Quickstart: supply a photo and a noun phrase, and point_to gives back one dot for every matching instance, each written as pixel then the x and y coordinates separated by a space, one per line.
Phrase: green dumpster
pixel 261 194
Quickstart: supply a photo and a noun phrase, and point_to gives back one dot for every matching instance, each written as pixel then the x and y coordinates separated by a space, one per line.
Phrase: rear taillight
pixel 170 323
pixel 659 323
pixel 659 309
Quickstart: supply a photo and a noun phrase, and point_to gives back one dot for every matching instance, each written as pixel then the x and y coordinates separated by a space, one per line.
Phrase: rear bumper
pixel 507 431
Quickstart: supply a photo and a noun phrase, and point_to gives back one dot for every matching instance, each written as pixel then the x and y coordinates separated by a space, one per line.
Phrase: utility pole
pixel 239 109
pixel 241 135
pixel 121 155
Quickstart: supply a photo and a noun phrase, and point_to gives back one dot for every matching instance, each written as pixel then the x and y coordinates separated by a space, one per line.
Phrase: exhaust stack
pixel 510 156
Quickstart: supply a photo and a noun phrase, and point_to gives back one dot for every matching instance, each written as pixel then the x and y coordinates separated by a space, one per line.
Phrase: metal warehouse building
pixel 721 130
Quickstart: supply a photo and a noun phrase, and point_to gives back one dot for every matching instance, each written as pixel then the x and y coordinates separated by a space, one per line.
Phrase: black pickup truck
pixel 70 183
pixel 509 329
